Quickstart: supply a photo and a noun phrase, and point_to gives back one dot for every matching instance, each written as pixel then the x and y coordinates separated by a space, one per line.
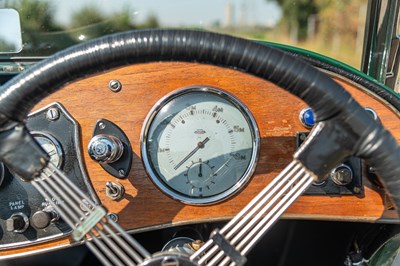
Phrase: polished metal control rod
pixel 89 222
pixel 247 227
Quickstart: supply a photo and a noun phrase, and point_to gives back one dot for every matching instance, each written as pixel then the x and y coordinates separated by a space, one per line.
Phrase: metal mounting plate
pixel 121 167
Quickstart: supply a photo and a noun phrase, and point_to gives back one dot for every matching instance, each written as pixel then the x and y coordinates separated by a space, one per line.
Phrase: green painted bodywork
pixel 387 254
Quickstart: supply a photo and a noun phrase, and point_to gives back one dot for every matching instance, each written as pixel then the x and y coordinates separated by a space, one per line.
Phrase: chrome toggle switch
pixel 114 191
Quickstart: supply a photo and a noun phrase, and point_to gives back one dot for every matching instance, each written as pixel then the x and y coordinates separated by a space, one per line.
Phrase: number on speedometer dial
pixel 200 145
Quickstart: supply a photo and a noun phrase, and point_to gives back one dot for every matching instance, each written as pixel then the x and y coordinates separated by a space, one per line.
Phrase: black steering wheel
pixel 344 128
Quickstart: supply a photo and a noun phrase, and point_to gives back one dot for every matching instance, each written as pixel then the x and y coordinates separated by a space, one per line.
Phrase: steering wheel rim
pixel 345 129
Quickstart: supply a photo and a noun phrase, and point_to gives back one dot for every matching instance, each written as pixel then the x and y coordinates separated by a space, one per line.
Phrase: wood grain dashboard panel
pixel 144 207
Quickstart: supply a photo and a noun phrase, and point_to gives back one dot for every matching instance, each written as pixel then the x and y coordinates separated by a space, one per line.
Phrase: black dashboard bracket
pixel 121 167
pixel 327 186
pixel 57 129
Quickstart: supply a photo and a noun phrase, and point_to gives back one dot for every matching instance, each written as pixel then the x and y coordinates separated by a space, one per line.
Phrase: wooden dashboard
pixel 144 207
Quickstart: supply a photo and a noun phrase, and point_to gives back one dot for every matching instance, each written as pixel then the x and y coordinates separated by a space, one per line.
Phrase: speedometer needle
pixel 200 145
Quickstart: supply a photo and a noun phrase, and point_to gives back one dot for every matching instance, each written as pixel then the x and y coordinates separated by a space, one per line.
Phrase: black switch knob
pixel 17 223
pixel 42 219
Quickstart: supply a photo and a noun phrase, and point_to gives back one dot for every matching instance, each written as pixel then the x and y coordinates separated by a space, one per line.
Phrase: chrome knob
pixel 342 175
pixel 105 148
pixel 42 219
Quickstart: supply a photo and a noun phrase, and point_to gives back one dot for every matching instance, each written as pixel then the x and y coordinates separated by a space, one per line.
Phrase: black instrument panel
pixel 25 216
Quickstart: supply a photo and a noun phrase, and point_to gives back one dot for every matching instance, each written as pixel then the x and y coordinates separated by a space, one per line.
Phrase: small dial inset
pixel 51 146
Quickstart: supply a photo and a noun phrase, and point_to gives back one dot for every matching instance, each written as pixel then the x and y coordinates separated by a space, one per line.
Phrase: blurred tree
pixel 295 15
pixel 327 24
pixel 336 23
pixel 36 16
pixel 5 46
pixel 151 22
pixel 122 21
pixel 91 15
pixel 42 35
pixel 116 22
pixel 86 16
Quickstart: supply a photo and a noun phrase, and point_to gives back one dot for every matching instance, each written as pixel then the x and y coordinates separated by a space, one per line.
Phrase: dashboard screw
pixel 371 170
pixel 85 206
pixel 113 216
pixel 115 85
pixel 52 114
pixel 121 172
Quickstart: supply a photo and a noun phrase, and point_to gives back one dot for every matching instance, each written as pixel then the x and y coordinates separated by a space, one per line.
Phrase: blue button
pixel 307 117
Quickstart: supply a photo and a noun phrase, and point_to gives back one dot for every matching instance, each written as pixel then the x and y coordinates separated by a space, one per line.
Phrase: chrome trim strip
pixel 56 143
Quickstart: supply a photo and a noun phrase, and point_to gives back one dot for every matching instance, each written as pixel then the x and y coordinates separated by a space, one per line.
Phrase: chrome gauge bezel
pixel 243 180
pixel 54 142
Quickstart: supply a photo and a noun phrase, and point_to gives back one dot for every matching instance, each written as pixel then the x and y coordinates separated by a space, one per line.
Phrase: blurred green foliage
pixel 42 35
pixel 296 14
pixel 333 28
pixel 35 15
pixel 5 46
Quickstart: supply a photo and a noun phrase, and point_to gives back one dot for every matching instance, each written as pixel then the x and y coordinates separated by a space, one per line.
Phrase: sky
pixel 181 12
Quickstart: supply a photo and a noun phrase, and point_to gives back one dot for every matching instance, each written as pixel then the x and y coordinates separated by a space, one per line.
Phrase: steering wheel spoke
pixel 247 227
pixel 111 244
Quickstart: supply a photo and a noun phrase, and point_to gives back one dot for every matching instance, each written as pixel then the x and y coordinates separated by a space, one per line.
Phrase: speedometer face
pixel 200 145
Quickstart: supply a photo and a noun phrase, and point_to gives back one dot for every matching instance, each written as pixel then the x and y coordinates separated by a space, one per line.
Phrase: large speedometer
pixel 200 145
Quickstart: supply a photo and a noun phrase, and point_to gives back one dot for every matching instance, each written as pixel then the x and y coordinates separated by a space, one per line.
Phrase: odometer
pixel 200 145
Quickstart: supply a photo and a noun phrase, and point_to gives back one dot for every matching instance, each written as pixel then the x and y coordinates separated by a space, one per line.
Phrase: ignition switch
pixel 110 147
pixel 105 148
